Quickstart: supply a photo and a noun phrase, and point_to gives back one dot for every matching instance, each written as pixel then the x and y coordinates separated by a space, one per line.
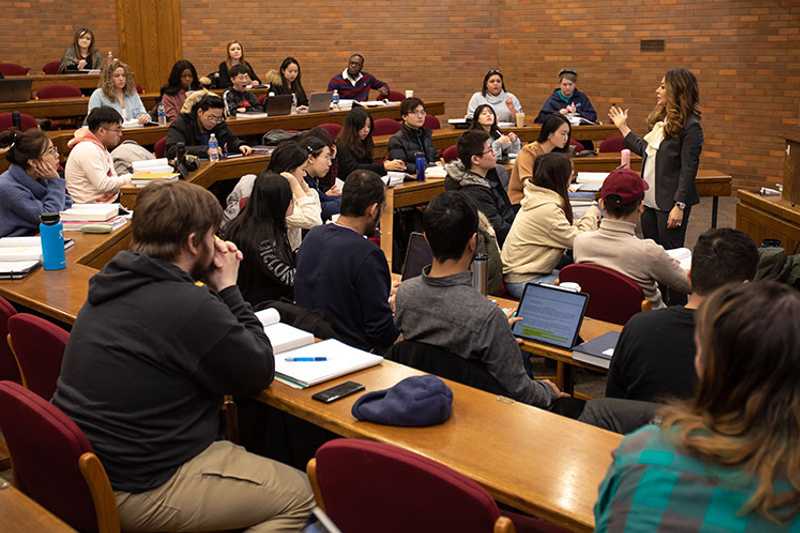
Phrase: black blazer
pixel 677 161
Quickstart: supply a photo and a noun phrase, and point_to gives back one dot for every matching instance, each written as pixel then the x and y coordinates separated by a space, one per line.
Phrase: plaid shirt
pixel 652 486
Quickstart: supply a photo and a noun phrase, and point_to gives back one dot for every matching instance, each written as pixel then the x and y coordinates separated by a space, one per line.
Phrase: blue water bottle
pixel 52 233
pixel 422 162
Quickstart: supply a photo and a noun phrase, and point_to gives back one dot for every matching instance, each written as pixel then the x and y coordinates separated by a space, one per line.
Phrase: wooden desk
pixel 406 194
pixel 525 457
pixel 769 217
pixel 20 513
pixel 82 81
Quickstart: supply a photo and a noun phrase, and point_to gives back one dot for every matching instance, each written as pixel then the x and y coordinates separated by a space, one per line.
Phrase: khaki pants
pixel 225 487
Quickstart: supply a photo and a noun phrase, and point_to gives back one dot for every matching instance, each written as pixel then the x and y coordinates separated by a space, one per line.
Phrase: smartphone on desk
pixel 338 392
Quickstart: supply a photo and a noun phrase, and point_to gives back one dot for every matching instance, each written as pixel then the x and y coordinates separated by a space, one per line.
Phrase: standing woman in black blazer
pixel 671 156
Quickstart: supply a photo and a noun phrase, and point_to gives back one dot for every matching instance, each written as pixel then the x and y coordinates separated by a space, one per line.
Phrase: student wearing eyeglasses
pixel 505 104
pixel 413 137
pixel 194 128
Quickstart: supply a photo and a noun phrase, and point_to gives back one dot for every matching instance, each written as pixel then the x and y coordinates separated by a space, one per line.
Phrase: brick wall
pixel 745 54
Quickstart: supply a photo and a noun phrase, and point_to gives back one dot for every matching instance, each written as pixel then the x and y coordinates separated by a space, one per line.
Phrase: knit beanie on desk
pixel 414 401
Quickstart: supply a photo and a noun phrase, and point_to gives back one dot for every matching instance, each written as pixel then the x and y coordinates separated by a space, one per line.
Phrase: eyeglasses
pixel 488 151
pixel 215 119
pixel 419 112
pixel 494 71
pixel 51 150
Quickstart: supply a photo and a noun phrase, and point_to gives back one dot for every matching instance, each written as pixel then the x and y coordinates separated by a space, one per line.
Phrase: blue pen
pixel 305 359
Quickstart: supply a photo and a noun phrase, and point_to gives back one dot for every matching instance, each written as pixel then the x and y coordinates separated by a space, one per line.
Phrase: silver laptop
pixel 279 105
pixel 15 90
pixel 319 102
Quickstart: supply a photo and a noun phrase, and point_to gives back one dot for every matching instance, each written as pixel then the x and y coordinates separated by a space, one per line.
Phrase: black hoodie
pixel 149 358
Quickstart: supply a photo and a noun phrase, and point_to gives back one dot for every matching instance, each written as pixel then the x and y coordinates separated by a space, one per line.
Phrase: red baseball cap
pixel 626 184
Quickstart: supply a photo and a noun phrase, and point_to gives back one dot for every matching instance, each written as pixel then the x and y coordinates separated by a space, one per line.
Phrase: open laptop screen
pixel 550 315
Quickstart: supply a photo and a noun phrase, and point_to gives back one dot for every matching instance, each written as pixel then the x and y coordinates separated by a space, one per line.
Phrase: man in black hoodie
pixel 150 356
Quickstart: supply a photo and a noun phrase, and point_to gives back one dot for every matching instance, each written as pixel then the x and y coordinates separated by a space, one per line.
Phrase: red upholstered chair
pixel 386 126
pixel 613 297
pixel 331 128
pixel 395 96
pixel 450 153
pixel 12 69
pixel 577 144
pixel 38 346
pixel 51 67
pixel 613 144
pixel 160 148
pixel 431 122
pixel 352 480
pixel 54 463
pixel 139 89
pixel 27 121
pixel 58 91
pixel 8 363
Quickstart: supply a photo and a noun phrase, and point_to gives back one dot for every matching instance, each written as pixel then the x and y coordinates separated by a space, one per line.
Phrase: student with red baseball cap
pixel 615 244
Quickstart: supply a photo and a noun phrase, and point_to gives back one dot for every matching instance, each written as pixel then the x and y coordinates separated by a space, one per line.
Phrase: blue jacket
pixel 555 103
pixel 24 199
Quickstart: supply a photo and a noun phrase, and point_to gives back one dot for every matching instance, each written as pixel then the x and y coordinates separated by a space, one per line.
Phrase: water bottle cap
pixel 50 218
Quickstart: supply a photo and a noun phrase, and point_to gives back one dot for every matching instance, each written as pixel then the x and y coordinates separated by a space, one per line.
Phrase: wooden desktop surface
pixel 769 217
pixel 81 81
pixel 20 513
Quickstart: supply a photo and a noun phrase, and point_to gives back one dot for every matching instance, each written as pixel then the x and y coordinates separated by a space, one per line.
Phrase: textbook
pixel 90 212
pixel 282 336
pixel 598 351
pixel 339 359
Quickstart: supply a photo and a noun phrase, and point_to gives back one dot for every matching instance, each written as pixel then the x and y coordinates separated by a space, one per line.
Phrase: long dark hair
pixel 287 156
pixel 173 85
pixel 494 131
pixel 80 32
pixel 24 147
pixel 264 218
pixel 682 101
pixel 489 74
pixel 348 137
pixel 553 171
pixel 550 126
pixel 296 86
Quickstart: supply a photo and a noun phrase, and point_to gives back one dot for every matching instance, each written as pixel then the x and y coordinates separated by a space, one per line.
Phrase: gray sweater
pixel 448 312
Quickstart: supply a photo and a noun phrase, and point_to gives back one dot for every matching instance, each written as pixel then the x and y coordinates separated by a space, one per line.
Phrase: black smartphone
pixel 339 391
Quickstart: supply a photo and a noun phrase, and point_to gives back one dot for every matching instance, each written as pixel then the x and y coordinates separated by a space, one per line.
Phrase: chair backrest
pixel 51 67
pixel 12 69
pixel 46 447
pixel 613 144
pixel 160 148
pixel 431 122
pixel 39 348
pixel 386 126
pixel 450 153
pixel 613 297
pixel 396 96
pixel 8 364
pixel 366 486
pixel 332 128
pixel 577 144
pixel 58 91
pixel 438 361
pixel 27 121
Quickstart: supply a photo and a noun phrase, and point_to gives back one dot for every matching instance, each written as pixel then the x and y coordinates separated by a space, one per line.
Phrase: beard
pixel 204 263
pixel 372 228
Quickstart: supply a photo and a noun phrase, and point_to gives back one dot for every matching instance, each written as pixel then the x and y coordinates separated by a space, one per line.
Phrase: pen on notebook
pixel 305 359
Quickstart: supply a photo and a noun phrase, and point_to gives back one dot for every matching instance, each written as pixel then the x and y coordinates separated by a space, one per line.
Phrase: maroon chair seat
pixel 332 128
pixel 450 153
pixel 27 121
pixel 386 126
pixel 39 348
pixel 58 91
pixel 613 144
pixel 51 67
pixel 9 370
pixel 613 297
pixel 12 69
pixel 578 145
pixel 431 122
pixel 395 96
pixel 160 148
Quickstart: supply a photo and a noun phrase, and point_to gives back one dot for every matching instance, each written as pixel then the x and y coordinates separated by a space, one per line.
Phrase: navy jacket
pixel 555 103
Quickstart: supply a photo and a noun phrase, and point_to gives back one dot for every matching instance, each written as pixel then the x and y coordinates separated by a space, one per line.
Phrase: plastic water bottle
pixel 162 115
pixel 625 158
pixel 422 162
pixel 335 99
pixel 294 103
pixel 213 148
pixel 51 231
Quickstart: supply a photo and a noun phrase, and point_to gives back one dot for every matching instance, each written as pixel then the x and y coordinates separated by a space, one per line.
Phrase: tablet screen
pixel 550 315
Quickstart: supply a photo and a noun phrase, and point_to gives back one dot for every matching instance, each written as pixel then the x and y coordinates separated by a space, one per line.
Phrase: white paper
pixel 151 165
pixel 20 242
pixel 269 316
pixel 437 171
pixel 683 256
pixel 609 352
pixel 592 177
pixel 341 359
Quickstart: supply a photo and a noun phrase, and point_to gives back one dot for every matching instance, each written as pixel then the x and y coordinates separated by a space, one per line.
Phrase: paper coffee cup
pixel 520 120
pixel 409 93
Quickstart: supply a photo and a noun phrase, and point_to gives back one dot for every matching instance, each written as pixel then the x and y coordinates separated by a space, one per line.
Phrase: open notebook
pixel 282 336
pixel 340 359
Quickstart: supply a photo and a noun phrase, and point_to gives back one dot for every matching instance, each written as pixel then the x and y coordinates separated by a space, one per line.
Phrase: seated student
pixel 31 185
pixel 288 80
pixel 726 459
pixel 235 52
pixel 654 357
pixel 260 232
pixel 544 227
pixel 354 146
pixel 475 173
pixel 354 84
pixel 193 129
pixel 567 100
pixel 182 79
pixel 289 160
pixel 503 144
pixel 82 55
pixel 553 137
pixel 441 307
pixel 345 276
pixel 505 105
pixel 615 244
pixel 164 334
pixel 413 137
pixel 89 172
pixel 118 90
pixel 237 97
pixel 320 172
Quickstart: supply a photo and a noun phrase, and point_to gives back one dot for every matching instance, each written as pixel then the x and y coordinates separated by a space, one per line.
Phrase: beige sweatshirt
pixel 90 174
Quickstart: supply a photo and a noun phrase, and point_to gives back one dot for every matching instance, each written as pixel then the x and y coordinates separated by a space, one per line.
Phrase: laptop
pixel 550 315
pixel 418 256
pixel 319 102
pixel 279 105
pixel 15 90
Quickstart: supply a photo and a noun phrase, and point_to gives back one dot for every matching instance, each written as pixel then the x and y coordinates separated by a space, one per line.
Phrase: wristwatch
pixel 680 205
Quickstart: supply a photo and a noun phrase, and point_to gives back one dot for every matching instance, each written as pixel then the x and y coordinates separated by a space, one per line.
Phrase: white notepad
pixel 683 256
pixel 341 359
pixel 282 336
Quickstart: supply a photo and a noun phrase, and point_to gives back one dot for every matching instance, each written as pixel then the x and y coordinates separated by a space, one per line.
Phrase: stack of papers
pixel 148 170
pixel 338 359
pixel 282 336
pixel 393 178
pixel 373 103
pixel 90 212
pixel 436 171
pixel 19 256
pixel 683 256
